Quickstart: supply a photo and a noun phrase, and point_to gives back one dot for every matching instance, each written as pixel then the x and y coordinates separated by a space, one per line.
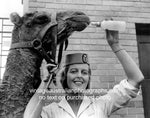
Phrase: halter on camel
pixel 50 57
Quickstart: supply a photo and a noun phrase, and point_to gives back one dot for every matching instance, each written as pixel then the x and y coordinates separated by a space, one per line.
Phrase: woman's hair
pixel 64 78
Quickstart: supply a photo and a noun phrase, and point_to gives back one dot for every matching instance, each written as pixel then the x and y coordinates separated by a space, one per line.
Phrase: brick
pixel 103 66
pixel 92 47
pixel 125 8
pixel 122 111
pixel 94 41
pixel 99 13
pixel 130 25
pixel 137 104
pixel 90 29
pixel 78 1
pixel 114 116
pixel 103 60
pixel 96 84
pixel 90 7
pixel 118 66
pixel 128 116
pixel 74 47
pixel 73 6
pixel 138 20
pixel 95 2
pixel 32 9
pixel 44 0
pixel 89 35
pixel 33 0
pixel 74 41
pixel 62 1
pixel 140 116
pixel 37 4
pixel 131 31
pixel 118 3
pixel 102 54
pixel 107 78
pixel 108 72
pixel 128 42
pixel 53 5
pixel 127 37
pixel 135 111
pixel 131 48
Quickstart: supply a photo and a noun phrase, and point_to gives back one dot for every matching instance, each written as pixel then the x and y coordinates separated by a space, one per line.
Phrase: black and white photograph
pixel 74 59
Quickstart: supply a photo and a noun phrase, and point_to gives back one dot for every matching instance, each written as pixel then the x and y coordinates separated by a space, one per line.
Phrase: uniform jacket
pixel 100 107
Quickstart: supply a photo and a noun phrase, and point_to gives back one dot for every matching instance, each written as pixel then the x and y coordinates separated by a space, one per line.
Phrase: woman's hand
pixel 46 73
pixel 112 37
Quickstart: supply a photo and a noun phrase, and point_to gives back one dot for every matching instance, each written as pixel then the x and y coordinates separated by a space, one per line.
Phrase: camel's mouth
pixel 76 21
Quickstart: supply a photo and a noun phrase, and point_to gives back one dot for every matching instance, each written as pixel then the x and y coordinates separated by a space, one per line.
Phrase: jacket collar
pixel 85 103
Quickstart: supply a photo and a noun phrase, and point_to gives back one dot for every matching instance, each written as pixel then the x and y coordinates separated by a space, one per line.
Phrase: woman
pixel 76 79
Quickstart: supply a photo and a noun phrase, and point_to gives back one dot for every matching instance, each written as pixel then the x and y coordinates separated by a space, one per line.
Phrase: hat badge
pixel 84 58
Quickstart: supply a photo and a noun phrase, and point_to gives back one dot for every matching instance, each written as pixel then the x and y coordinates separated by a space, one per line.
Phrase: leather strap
pixel 27 44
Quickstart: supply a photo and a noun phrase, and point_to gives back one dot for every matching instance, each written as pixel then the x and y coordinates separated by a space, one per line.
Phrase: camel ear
pixel 15 18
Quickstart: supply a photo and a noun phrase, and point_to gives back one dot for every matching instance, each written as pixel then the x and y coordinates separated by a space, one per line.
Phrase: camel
pixel 22 72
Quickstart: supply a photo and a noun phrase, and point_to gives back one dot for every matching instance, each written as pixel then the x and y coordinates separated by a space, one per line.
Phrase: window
pixel 5 40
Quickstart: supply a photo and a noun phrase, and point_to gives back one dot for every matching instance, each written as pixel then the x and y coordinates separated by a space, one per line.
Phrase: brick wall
pixel 106 69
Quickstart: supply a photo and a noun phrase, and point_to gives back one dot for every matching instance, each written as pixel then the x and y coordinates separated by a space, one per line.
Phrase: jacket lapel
pixel 64 104
pixel 84 105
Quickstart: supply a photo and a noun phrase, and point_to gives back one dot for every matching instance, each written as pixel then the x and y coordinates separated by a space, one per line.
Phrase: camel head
pixel 30 25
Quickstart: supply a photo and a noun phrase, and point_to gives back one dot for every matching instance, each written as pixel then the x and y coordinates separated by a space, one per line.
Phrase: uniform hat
pixel 76 58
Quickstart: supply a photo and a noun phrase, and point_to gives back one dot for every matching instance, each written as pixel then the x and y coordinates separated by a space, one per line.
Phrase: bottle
pixel 111 25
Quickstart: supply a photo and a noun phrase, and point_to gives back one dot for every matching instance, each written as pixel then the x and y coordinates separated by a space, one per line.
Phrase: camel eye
pixel 79 13
pixel 42 19
pixel 29 24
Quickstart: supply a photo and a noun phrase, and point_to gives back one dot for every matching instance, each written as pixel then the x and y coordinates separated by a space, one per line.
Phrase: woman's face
pixel 78 76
